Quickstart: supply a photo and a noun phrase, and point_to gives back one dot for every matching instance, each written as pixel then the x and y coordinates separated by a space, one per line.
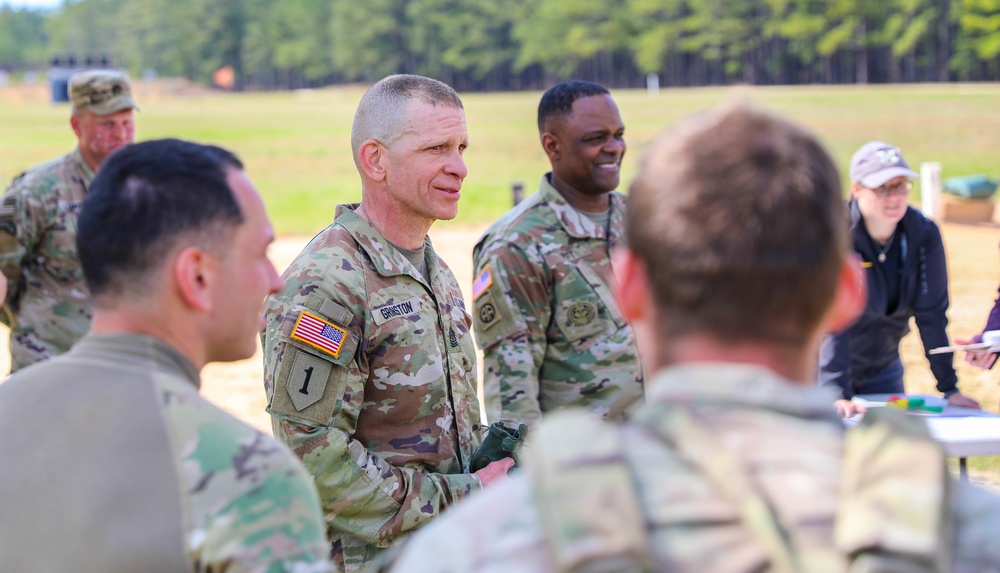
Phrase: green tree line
pixel 518 44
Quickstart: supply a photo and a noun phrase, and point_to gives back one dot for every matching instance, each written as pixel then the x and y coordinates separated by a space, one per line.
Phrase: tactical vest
pixel 890 518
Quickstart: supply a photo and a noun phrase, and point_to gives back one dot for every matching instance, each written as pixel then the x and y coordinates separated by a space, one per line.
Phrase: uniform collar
pixel 385 257
pixel 144 352
pixel 740 385
pixel 81 165
pixel 575 223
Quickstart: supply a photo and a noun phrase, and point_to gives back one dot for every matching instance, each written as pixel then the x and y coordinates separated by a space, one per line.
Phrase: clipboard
pixel 967 347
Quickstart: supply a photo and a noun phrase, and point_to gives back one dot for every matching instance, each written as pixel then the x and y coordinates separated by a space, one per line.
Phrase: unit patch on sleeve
pixel 307 380
pixel 319 334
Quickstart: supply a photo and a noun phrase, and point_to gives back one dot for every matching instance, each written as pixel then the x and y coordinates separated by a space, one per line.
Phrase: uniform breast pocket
pixel 405 321
pixel 585 305
pixel 58 250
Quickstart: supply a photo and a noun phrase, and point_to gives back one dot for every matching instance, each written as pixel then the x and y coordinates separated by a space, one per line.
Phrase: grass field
pixel 297 144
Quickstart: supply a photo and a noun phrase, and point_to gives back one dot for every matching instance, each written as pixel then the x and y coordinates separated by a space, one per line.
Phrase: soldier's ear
pixel 631 285
pixel 192 274
pixel 550 143
pixel 851 295
pixel 74 122
pixel 372 157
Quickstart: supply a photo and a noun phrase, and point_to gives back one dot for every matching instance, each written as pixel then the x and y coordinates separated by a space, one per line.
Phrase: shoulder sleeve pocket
pixel 494 316
pixel 316 367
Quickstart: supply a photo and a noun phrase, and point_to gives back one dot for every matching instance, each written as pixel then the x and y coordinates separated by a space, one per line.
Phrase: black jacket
pixel 872 343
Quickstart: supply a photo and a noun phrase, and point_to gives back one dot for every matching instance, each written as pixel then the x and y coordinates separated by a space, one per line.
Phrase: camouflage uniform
pixel 783 441
pixel 47 306
pixel 115 463
pixel 546 319
pixel 379 398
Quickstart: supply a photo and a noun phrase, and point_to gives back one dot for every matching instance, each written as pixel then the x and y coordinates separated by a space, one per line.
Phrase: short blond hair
pixel 384 107
pixel 738 218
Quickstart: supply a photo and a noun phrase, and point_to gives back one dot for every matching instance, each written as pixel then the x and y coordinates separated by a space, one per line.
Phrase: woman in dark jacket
pixel 903 256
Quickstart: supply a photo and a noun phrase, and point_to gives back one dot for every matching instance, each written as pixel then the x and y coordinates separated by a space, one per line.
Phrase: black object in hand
pixel 500 442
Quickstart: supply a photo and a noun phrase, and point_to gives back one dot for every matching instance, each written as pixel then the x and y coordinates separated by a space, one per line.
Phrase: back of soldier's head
pixel 147 200
pixel 738 217
pixel 383 108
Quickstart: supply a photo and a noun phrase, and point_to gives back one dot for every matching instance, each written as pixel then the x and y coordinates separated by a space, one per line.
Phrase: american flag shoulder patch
pixel 482 282
pixel 318 333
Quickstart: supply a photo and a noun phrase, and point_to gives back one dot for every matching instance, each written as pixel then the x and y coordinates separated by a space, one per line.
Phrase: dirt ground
pixel 974 267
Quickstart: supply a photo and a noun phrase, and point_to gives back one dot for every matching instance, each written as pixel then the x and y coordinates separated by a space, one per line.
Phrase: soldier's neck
pixel 399 227
pixel 581 201
pixel 794 362
pixel 119 321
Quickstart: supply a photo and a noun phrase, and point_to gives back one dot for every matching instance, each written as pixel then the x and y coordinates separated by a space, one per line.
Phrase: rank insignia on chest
pixel 319 333
pixel 482 282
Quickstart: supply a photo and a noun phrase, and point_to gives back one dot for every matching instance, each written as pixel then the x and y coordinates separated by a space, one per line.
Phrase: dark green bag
pixel 500 442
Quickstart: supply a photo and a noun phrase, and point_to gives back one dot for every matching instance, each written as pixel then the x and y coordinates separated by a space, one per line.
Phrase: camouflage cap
pixel 102 92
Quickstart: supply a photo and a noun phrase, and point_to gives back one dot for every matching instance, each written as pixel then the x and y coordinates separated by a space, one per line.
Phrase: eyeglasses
pixel 901 188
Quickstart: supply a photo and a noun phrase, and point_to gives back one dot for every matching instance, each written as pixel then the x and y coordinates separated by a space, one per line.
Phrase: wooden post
pixel 517 190
pixel 652 84
pixel 930 189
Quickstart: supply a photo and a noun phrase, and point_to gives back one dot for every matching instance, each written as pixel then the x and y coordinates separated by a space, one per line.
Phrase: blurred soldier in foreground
pixel 112 460
pixel 551 333
pixel 369 364
pixel 47 306
pixel 737 263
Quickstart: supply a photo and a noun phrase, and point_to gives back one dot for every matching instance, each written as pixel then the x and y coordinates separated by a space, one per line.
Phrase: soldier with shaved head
pixel 370 368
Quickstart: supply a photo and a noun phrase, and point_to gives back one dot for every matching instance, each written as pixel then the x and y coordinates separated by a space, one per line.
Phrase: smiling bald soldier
pixel 551 333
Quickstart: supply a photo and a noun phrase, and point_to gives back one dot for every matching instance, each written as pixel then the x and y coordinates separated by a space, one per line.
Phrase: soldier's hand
pixel 847 408
pixel 3 287
pixel 962 401
pixel 495 471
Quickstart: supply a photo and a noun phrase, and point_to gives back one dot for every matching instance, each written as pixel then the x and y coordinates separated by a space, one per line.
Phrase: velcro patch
pixel 388 312
pixel 482 282
pixel 487 314
pixel 307 380
pixel 318 333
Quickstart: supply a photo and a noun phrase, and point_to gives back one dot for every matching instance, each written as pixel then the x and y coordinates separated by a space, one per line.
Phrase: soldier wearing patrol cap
pixel 47 306
pixel 737 263
pixel 369 364
pixel 551 334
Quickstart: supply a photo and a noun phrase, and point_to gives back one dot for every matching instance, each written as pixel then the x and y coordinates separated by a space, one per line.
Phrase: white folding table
pixel 963 432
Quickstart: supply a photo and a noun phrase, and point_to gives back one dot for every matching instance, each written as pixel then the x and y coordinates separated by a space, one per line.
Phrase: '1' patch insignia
pixel 482 282
pixel 319 333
